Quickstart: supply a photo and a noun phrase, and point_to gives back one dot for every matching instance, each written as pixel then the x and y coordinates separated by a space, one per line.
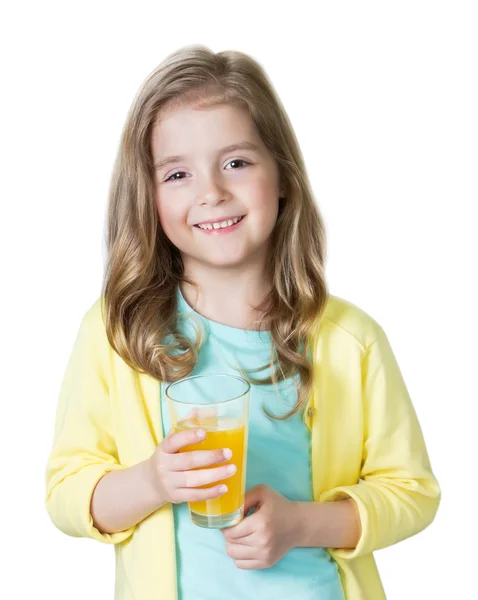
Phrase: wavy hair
pixel 144 268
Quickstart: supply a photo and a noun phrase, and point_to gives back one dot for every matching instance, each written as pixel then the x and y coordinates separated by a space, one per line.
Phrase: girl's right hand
pixel 177 476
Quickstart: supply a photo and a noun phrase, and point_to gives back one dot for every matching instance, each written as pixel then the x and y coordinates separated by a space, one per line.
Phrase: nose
pixel 211 191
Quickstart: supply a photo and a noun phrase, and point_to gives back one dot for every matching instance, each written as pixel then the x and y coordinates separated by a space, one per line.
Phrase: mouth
pixel 215 229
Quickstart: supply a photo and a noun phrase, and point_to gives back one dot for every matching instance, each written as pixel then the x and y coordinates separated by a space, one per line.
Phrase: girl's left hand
pixel 265 536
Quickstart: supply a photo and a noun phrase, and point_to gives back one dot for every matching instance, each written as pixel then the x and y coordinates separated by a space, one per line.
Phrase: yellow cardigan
pixel 366 443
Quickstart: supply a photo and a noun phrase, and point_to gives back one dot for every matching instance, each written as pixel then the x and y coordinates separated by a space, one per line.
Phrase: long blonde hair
pixel 144 268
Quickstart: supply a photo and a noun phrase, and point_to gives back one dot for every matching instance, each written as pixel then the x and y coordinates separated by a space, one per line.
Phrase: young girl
pixel 212 222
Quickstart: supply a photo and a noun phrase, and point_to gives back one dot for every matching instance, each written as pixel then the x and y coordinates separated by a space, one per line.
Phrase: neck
pixel 227 296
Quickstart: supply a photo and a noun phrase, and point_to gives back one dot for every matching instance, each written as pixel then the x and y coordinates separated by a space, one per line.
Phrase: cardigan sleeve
pixel 398 495
pixel 84 448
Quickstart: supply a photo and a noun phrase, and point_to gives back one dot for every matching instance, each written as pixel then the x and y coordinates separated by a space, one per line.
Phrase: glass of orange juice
pixel 219 404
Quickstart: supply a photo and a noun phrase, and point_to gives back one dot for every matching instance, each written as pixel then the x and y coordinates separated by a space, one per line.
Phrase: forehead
pixel 184 128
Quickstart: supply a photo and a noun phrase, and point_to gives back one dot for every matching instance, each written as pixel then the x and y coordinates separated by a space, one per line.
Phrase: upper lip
pixel 219 220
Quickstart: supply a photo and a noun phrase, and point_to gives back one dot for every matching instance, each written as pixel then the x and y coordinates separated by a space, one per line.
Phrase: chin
pixel 226 260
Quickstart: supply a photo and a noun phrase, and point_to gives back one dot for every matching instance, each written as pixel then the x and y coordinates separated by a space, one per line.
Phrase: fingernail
pixel 231 468
pixel 227 453
pixel 223 489
pixel 201 433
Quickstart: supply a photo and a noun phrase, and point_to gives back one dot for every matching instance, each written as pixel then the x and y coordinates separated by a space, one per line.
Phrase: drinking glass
pixel 219 404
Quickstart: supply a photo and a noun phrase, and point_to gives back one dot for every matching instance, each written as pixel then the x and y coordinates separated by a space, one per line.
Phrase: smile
pixel 220 228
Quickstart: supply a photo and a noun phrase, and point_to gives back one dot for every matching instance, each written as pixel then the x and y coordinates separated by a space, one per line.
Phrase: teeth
pixel 220 225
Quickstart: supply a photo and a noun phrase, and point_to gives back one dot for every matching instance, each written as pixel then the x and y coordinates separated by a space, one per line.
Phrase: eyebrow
pixel 175 159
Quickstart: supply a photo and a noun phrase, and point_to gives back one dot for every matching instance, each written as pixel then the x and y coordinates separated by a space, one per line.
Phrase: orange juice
pixel 221 432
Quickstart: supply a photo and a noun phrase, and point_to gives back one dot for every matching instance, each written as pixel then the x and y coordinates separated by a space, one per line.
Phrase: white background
pixel 383 98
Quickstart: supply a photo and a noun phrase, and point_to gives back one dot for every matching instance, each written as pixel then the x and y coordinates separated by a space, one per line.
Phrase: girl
pixel 212 222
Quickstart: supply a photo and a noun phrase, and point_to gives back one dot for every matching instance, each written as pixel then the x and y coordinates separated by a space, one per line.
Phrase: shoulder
pixel 93 318
pixel 340 318
pixel 92 327
pixel 343 318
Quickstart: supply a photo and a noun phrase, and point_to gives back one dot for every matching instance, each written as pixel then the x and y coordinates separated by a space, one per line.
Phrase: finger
pixel 175 441
pixel 243 530
pixel 199 495
pixel 248 565
pixel 202 411
pixel 188 479
pixel 242 552
pixel 245 540
pixel 254 497
pixel 185 461
pixel 205 413
pixel 202 416
pixel 191 416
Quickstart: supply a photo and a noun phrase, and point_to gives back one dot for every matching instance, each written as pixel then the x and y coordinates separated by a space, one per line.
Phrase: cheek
pixel 265 203
pixel 264 195
pixel 170 211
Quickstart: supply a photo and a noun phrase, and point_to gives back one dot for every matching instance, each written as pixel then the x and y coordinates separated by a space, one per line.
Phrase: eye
pixel 237 160
pixel 170 178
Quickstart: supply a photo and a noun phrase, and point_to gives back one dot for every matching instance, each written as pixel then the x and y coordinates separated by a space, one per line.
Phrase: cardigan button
pixel 310 411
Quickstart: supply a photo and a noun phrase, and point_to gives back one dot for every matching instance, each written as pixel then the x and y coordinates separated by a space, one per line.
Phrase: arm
pixel 123 498
pixel 399 494
pixel 327 524
pixel 84 449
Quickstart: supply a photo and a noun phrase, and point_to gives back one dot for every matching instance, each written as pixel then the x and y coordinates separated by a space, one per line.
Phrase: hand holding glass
pixel 218 404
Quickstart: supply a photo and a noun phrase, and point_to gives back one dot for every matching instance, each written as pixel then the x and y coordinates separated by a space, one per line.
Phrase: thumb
pixel 254 497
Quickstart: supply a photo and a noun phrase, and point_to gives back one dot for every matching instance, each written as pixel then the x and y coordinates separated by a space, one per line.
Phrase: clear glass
pixel 219 404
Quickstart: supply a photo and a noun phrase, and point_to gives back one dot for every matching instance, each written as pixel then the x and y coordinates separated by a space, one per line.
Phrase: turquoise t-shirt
pixel 278 455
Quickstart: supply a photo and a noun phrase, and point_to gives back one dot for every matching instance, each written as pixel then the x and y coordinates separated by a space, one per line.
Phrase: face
pixel 197 180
